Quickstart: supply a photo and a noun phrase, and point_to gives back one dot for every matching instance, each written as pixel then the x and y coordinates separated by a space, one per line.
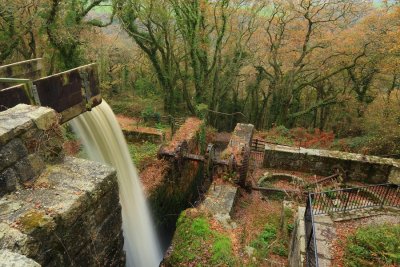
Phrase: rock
pixel 12 259
pixel 75 203
pixel 8 181
pixel 12 239
pixel 249 250
pixel 225 220
pixel 394 176
pixel 11 153
pixel 15 121
pixel 220 198
pixel 44 118
pixel 29 167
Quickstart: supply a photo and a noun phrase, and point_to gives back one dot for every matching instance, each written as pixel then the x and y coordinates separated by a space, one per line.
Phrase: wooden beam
pixel 70 93
pixel 29 69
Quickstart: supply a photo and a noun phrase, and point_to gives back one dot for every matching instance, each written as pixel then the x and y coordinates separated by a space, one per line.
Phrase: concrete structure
pixel 55 210
pixel 219 201
pixel 325 234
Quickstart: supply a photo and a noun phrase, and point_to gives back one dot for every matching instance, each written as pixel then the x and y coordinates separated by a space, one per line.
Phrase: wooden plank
pixel 13 96
pixel 29 69
pixel 77 88
pixel 70 93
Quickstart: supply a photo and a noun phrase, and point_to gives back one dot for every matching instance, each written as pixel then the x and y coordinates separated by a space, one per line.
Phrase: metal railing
pixel 311 241
pixel 343 200
pixel 347 199
pixel 257 145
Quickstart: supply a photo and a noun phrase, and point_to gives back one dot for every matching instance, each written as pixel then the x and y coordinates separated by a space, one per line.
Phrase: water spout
pixel 104 141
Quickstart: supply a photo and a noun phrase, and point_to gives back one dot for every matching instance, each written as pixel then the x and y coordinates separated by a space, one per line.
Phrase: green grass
pixel 374 246
pixel 263 242
pixel 195 244
pixel 222 251
pixel 127 104
pixel 274 238
pixel 141 153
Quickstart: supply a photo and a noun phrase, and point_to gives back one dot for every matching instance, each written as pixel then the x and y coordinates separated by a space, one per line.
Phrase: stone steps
pixel 364 213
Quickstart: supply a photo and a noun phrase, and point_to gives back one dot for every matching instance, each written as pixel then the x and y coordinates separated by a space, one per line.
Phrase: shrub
pixel 374 246
pixel 150 114
pixel 282 130
pixel 263 241
pixel 280 249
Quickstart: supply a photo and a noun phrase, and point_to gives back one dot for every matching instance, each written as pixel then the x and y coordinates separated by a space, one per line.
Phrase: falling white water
pixel 104 141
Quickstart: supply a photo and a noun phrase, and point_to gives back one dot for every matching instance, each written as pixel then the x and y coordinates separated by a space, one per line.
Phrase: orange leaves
pixel 317 138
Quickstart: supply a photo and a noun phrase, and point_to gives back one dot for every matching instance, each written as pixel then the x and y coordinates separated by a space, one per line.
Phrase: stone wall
pixel 297 248
pixel 30 137
pixel 56 210
pixel 357 167
pixel 172 186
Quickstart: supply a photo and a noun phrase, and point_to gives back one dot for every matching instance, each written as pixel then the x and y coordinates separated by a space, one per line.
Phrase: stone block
pixel 12 259
pixel 220 199
pixel 29 167
pixel 324 232
pixel 13 239
pixel 11 153
pixel 8 181
pixel 324 249
pixel 15 121
pixel 44 118
pixel 5 135
pixel 394 176
pixel 323 219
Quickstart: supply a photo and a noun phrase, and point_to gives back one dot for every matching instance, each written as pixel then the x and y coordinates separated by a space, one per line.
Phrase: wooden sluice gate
pixel 210 159
pixel 70 93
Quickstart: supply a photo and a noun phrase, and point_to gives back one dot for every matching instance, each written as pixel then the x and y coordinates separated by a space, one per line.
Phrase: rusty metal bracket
pixel 86 93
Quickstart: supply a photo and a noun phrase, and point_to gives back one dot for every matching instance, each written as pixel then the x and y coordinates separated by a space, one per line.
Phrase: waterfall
pixel 104 141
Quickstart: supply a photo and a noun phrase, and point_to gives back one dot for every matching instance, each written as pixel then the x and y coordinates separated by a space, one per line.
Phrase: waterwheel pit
pixel 265 220
pixel 173 185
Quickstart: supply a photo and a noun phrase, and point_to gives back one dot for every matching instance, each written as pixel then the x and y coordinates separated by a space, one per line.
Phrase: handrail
pixel 342 200
pixel 311 241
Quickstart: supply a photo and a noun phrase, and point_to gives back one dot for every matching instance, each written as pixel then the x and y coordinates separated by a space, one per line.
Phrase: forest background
pixel 315 73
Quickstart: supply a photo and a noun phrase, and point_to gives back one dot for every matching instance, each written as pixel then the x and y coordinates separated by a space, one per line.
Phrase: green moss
pixel 33 219
pixel 195 243
pixel 374 246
